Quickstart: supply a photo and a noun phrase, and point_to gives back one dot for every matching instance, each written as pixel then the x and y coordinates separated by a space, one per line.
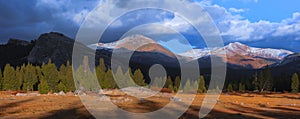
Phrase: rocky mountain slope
pixel 235 54
pixel 241 60
pixel 15 52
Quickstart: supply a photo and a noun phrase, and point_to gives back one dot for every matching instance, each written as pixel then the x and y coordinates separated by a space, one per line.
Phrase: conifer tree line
pixel 48 78
pixel 263 81
pixel 45 78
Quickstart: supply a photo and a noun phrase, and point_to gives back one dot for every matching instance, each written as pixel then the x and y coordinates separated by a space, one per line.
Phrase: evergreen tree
pixel 229 88
pixel 128 76
pixel 201 88
pixel 102 65
pixel 261 81
pixel 169 82
pixel 88 82
pixel 241 87
pixel 248 85
pixel 176 83
pixel 79 77
pixel 66 78
pixel 1 80
pixel 157 83
pixel 19 78
pixel 255 82
pixel 120 77
pixel 69 78
pixel 50 74
pixel 138 78
pixel 43 87
pixel 100 72
pixel 30 77
pixel 187 86
pixel 268 79
pixel 295 83
pixel 61 87
pixel 195 85
pixel 9 78
pixel 109 80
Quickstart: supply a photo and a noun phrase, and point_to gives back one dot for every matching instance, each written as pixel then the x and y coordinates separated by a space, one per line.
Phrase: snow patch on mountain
pixel 238 48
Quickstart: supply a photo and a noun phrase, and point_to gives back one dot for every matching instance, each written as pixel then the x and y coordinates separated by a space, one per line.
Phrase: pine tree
pixel 241 87
pixel 201 88
pixel 157 83
pixel 79 77
pixel 195 85
pixel 177 83
pixel 187 86
pixel 229 88
pixel 128 76
pixel 19 78
pixel 102 65
pixel 66 77
pixel 50 74
pixel 43 87
pixel 62 78
pixel 61 87
pixel 255 82
pixel 70 84
pixel 88 81
pixel 9 78
pixel 109 80
pixel 295 83
pixel 261 81
pixel 39 73
pixel 138 78
pixel 120 77
pixel 169 82
pixel 100 72
pixel 30 77
pixel 268 79
pixel 1 80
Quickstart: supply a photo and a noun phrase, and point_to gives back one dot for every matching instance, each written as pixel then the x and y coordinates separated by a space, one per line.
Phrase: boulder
pixel 21 94
pixel 34 94
pixel 70 93
pixel 79 92
pixel 62 93
pixel 175 99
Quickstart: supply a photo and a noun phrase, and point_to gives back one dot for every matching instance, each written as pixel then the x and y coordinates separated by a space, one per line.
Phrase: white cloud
pixel 55 4
pixel 235 10
pixel 79 17
pixel 229 21
pixel 239 28
pixel 296 16
pixel 177 23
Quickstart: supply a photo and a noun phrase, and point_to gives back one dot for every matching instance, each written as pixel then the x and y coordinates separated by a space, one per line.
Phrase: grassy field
pixel 234 105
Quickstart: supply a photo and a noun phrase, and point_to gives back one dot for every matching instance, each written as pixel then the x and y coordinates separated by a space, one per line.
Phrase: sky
pixel 257 23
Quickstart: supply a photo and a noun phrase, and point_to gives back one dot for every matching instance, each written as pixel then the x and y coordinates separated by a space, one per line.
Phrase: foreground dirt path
pixel 228 106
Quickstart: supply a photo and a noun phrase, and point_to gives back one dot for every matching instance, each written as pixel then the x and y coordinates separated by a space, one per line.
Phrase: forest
pixel 48 78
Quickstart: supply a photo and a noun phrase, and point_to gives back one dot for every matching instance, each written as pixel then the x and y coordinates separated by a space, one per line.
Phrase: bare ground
pixel 234 105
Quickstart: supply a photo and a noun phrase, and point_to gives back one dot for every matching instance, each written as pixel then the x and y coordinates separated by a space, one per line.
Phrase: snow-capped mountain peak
pixel 237 48
pixel 135 43
pixel 130 43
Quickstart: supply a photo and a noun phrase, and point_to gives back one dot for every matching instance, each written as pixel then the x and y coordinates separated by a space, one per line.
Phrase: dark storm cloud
pixel 28 19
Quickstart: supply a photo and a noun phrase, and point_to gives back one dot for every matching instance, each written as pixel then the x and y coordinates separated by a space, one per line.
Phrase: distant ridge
pixel 237 54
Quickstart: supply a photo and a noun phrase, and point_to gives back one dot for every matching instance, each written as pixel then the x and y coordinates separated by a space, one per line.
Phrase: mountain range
pixel 236 53
pixel 241 59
